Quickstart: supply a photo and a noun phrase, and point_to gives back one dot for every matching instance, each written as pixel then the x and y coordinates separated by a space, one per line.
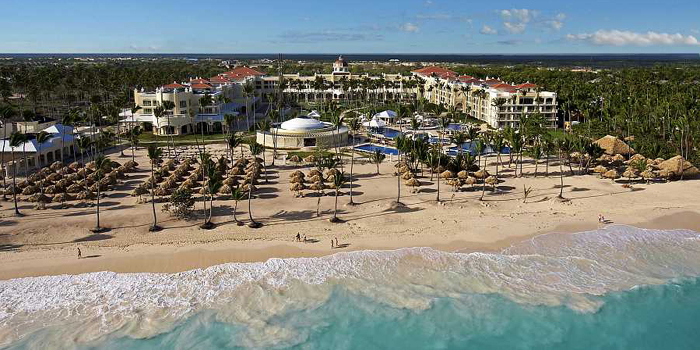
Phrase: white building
pixel 37 156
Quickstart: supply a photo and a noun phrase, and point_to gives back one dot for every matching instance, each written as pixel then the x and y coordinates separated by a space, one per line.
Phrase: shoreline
pixel 173 258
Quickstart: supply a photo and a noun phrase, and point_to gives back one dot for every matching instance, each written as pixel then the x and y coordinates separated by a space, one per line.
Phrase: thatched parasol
pixel 630 174
pixel 25 183
pixel 331 172
pixel 455 183
pixel 295 159
pixel 310 159
pixel 75 166
pixel 296 173
pixel 648 175
pixel 470 181
pixel 618 158
pixel 39 198
pixel 463 174
pixel 637 158
pixel 246 187
pixel 296 187
pixel 45 172
pixel 404 169
pixel 297 180
pixel 29 190
pixel 103 187
pixel 86 195
pixel 56 166
pixel 412 182
pixel 317 186
pixel 407 176
pixel 225 189
pixel 491 180
pixel 315 172
pixel 54 189
pixel 612 145
pixel 600 169
pixel 678 166
pixel 63 197
pixel 131 164
pixel 66 170
pixel 231 181
pixel 447 174
pixel 316 178
pixel 481 174
pixel 74 188
pixel 611 174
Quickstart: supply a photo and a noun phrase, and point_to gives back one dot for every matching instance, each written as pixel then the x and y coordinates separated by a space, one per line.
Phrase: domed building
pixel 341 67
pixel 304 131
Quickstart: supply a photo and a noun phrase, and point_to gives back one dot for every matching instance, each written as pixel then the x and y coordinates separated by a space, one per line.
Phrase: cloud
pixel 409 27
pixel 322 36
pixel 151 48
pixel 428 2
pixel 510 42
pixel 515 20
pixel 557 22
pixel 625 38
pixel 486 30
pixel 434 16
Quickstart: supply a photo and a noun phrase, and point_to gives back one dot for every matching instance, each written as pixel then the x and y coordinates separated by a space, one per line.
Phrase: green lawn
pixel 188 139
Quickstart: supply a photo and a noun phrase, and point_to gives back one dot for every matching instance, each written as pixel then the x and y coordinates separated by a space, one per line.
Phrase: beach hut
pixel 611 174
pixel 612 146
pixel 414 183
pixel 447 174
pixel 481 174
pixel 463 175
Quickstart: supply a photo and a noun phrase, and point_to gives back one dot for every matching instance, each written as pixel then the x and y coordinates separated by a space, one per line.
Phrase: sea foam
pixel 551 270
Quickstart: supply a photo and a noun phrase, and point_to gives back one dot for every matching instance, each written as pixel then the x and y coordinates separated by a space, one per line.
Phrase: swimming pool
pixel 387 132
pixel 372 148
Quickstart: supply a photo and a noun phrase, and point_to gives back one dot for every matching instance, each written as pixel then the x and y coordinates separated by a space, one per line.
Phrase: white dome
pixel 303 123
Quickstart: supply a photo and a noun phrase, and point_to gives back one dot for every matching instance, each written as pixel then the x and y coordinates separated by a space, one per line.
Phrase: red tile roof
pixel 242 72
pixel 199 81
pixel 439 71
pixel 464 78
pixel 174 86
pixel 526 86
pixel 201 86
pixel 219 79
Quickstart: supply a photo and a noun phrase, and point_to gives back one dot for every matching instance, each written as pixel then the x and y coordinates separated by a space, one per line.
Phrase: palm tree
pixel 154 154
pixel 401 143
pixel 437 157
pixel 498 143
pixel 212 187
pixel 248 91
pixel 338 181
pixel 232 142
pixel 354 125
pixel 168 107
pixel 229 119
pixel 100 163
pixel 264 126
pixel 377 158
pixel 237 195
pixel 134 134
pixel 41 138
pixel 16 139
pixel 560 143
pixel 6 114
pixel 536 154
pixel 255 150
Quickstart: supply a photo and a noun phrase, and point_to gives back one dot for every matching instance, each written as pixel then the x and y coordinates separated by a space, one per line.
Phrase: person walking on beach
pixel 332 245
pixel 336 242
pixel 80 254
pixel 298 237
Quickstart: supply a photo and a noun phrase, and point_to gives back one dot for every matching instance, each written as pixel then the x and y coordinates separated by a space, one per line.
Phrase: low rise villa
pixel 302 132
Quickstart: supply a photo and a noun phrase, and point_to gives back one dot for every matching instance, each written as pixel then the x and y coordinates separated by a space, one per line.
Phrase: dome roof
pixel 341 62
pixel 303 123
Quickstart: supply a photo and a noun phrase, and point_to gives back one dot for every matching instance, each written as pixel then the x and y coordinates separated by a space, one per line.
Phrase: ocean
pixel 618 287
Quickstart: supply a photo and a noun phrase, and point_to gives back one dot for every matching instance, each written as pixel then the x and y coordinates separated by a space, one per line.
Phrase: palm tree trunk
pixel 14 182
pixel 153 196
pixel 98 203
pixel 2 164
pixel 235 207
pixel 250 196
pixel 352 164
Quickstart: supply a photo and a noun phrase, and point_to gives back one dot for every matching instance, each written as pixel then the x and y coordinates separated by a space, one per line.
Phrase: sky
pixel 350 26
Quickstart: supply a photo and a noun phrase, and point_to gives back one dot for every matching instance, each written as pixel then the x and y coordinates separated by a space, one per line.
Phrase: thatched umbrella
pixel 315 172
pixel 600 169
pixel 612 145
pixel 12 189
pixel 34 178
pixel 45 172
pixel 29 190
pixel 630 174
pixel 455 183
pixel 86 195
pixel 131 164
pixel 310 159
pixel 39 198
pixel 404 169
pixel 637 157
pixel 109 181
pixel 471 181
pixel 54 189
pixel 56 166
pixel 63 197
pixel 407 175
pixel 317 186
pixel 103 187
pixel 295 159
pixel 414 183
pixel 439 169
pixel 679 166
pixel 25 183
pixel 297 180
pixel 648 175
pixel 481 174
pixel 66 170
pixel 296 173
pixel 74 188
pixel 331 172
pixel 618 158
pixel 224 190
pixel 74 177
pixel 236 171
pixel 611 174
pixel 231 181
pixel 240 162
pixel 462 175
pixel 296 187
pixel 492 180
pixel 666 174
pixel 245 188
pixel 447 174
pixel 162 192
pixel 316 178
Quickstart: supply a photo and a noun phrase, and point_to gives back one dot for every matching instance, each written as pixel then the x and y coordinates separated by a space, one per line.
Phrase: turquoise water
pixel 615 288
pixel 373 148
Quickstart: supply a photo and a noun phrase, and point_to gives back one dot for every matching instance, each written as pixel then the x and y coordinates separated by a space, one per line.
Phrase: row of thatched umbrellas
pixel 315 178
pixel 69 182
pixel 174 175
pixel 455 180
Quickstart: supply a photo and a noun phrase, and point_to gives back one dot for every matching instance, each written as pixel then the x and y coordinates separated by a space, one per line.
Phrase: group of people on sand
pixel 334 242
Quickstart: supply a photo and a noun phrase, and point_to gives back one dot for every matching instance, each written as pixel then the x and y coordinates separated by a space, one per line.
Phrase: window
pixel 147 102
pixel 147 110
pixel 183 104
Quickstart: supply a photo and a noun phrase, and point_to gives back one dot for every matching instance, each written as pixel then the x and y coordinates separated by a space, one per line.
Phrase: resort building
pixel 304 131
pixel 36 155
pixel 493 101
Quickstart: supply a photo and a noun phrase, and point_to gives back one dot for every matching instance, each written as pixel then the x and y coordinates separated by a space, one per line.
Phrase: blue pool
pixel 386 132
pixel 467 146
pixel 373 148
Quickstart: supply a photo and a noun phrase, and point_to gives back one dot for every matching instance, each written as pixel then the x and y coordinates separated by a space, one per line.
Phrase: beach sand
pixel 45 242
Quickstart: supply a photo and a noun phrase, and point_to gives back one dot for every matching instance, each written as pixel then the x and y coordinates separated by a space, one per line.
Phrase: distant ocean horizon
pixel 591 59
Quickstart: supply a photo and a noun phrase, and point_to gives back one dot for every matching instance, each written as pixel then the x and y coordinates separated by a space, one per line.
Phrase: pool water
pixel 373 148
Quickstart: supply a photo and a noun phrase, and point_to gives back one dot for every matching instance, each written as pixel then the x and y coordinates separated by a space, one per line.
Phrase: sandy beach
pixel 45 242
